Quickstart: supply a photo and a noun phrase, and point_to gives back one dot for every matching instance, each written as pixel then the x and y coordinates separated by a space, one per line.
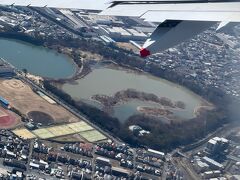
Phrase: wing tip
pixel 144 52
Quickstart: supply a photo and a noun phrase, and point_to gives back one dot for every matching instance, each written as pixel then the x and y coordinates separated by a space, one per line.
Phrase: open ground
pixel 25 100
pixel 8 119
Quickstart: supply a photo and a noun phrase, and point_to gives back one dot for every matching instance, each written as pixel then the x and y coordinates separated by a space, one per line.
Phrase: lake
pixel 102 80
pixel 37 60
pixel 107 81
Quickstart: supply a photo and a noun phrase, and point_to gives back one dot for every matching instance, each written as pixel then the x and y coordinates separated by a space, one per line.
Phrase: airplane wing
pixel 69 4
pixel 178 19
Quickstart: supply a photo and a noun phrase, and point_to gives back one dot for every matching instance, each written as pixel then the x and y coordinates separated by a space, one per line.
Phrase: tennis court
pixel 80 126
pixel 93 136
pixel 43 133
pixel 60 130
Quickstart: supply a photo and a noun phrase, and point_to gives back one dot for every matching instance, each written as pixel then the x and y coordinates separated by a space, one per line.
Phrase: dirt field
pixel 25 100
pixel 41 117
pixel 2 113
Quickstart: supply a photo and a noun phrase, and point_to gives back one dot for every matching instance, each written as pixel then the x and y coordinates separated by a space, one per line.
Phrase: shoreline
pixel 108 104
pixel 85 69
pixel 82 71
pixel 27 39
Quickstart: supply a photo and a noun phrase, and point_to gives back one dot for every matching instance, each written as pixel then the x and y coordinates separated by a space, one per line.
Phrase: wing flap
pixel 188 11
pixel 160 16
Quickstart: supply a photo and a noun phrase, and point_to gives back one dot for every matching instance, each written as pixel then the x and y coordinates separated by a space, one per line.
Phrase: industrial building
pixel 200 166
pixel 217 145
pixel 95 19
pixel 75 21
pixel 137 34
pixel 107 39
pixel 211 174
pixel 146 30
pixel 212 163
pixel 121 34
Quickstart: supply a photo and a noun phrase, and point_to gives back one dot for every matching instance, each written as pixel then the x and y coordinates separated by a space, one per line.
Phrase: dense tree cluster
pixel 176 133
pixel 11 34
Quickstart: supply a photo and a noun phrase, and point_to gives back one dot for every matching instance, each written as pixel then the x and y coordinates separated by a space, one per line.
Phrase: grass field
pixel 43 133
pixel 93 136
pixel 62 130
pixel 24 133
pixel 80 126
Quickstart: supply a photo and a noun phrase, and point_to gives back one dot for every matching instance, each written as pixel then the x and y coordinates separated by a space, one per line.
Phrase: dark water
pixel 36 59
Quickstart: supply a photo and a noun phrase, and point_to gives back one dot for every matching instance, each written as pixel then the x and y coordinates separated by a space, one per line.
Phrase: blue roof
pixel 4 101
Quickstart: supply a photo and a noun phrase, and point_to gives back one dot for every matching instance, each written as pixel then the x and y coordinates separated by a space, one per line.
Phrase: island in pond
pixel 164 104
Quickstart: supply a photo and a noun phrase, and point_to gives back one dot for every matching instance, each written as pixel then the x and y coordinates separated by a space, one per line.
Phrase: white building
pixel 200 166
pixel 211 174
pixel 154 153
pixel 212 163
pixel 121 34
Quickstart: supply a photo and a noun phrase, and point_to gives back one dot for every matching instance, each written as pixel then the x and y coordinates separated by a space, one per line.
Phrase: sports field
pixel 8 119
pixel 93 136
pixel 43 133
pixel 2 113
pixel 80 127
pixel 24 133
pixel 62 130
pixel 21 97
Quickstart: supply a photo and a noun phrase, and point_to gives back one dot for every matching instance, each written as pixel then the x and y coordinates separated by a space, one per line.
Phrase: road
pixel 233 158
